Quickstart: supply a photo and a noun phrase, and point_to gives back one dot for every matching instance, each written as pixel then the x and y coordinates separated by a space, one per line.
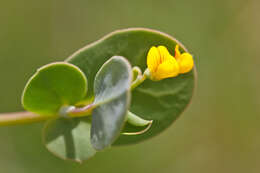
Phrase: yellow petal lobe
pixel 185 62
pixel 164 54
pixel 177 52
pixel 167 69
pixel 153 59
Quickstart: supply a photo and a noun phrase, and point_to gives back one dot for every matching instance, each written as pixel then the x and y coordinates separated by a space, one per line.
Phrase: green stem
pixel 16 118
pixel 140 78
pixel 136 72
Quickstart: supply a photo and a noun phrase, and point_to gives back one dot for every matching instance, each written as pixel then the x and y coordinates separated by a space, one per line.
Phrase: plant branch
pixel 16 118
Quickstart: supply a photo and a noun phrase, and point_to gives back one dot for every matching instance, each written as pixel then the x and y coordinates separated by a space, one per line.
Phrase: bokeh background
pixel 218 133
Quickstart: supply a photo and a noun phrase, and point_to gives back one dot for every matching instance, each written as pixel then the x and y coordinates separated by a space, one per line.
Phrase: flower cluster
pixel 162 64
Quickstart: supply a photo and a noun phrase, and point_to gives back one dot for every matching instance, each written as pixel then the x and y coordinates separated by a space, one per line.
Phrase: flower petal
pixel 177 52
pixel 153 59
pixel 164 54
pixel 169 68
pixel 185 62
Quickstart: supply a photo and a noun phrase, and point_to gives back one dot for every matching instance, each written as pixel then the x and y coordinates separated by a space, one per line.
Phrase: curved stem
pixel 16 118
pixel 139 79
pixel 136 72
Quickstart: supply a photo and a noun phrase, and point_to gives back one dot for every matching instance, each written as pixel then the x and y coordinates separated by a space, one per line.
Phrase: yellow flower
pixel 184 60
pixel 161 63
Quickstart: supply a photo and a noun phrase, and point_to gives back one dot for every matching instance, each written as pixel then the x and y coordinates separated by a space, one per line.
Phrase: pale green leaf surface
pixel 69 139
pixel 112 95
pixel 133 123
pixel 136 120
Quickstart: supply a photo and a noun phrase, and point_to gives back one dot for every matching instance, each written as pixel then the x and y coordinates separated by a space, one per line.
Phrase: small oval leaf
pixel 53 86
pixel 133 123
pixel 112 95
pixel 69 139
pixel 136 120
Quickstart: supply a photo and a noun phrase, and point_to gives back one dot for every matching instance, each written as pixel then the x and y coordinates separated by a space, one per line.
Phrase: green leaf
pixel 53 86
pixel 133 123
pixel 132 130
pixel 112 95
pixel 69 139
pixel 162 101
pixel 136 120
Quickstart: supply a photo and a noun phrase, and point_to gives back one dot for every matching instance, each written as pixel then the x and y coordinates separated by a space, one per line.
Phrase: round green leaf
pixel 161 101
pixel 69 139
pixel 112 95
pixel 53 86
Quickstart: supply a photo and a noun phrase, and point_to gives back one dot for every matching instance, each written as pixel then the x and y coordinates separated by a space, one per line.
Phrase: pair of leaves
pixel 53 86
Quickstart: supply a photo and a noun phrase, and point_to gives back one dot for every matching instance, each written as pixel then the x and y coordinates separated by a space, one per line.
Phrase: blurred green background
pixel 218 133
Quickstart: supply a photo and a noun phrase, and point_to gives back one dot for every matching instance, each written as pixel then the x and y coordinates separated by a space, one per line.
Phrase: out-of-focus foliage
pixel 218 133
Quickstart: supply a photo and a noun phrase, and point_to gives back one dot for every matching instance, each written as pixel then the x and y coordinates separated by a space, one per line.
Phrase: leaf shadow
pixel 62 131
pixel 69 144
